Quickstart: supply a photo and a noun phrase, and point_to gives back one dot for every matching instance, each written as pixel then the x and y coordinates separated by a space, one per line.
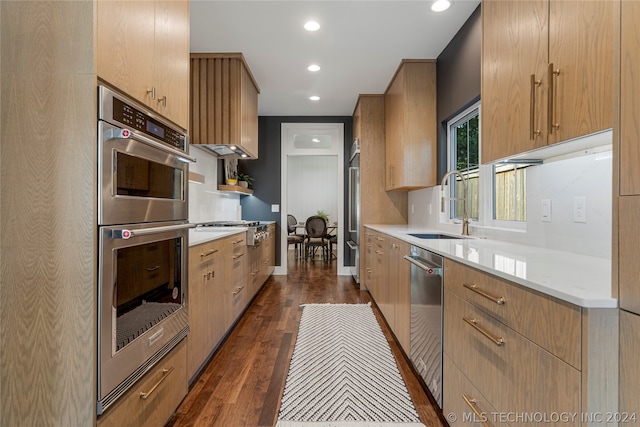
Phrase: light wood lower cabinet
pixel 525 353
pixel 224 276
pixel 466 406
pixel 521 310
pixel 386 275
pixel 513 373
pixel 206 304
pixel 629 367
pixel 151 401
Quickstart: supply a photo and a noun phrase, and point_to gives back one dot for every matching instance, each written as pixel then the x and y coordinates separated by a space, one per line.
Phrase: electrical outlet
pixel 580 209
pixel 413 208
pixel 545 214
pixel 430 209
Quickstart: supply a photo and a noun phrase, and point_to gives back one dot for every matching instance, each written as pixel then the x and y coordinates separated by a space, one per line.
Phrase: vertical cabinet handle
pixel 533 132
pixel 163 101
pixel 152 91
pixel 553 73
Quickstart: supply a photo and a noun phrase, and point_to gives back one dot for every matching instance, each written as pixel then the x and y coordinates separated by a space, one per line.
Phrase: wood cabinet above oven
pixel 143 50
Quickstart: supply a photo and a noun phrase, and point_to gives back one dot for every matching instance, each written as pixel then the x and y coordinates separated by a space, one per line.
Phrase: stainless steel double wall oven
pixel 143 241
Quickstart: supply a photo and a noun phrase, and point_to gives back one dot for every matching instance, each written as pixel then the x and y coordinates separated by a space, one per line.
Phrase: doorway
pixel 312 180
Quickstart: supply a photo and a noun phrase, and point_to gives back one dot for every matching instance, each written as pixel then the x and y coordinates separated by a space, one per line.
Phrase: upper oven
pixel 142 164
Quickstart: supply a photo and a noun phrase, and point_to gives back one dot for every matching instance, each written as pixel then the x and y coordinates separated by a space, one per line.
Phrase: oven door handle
pixel 127 234
pixel 427 268
pixel 127 134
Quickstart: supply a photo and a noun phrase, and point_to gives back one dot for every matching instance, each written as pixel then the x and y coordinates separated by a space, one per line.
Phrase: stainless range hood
pixel 228 151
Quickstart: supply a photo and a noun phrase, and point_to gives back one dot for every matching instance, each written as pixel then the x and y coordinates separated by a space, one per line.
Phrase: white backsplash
pixel 206 203
pixel 560 181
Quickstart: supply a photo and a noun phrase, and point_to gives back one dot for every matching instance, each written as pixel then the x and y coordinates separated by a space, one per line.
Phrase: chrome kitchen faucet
pixel 465 217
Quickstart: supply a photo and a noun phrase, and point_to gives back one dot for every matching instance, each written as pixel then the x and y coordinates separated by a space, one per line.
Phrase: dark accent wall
pixel 266 169
pixel 458 76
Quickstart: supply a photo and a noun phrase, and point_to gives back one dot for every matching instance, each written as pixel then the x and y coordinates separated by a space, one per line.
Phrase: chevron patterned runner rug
pixel 343 374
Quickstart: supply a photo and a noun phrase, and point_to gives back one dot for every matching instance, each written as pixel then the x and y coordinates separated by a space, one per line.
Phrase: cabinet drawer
pixel 165 385
pixel 236 263
pixel 553 324
pixel 513 373
pixel 464 401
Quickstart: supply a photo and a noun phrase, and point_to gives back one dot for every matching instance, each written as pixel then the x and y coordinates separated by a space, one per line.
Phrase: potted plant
pixel 323 215
pixel 244 180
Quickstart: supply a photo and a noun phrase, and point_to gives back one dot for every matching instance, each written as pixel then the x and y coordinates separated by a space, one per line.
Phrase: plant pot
pixel 232 182
pixel 244 184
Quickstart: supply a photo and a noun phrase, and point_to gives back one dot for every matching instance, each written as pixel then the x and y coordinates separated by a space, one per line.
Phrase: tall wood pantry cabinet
pixel 143 50
pixel 379 206
pixel 52 60
pixel 629 208
pixel 410 126
pixel 546 73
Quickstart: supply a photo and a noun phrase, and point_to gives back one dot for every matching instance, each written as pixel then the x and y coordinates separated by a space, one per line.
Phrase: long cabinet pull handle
pixel 163 101
pixel 499 341
pixel 211 252
pixel 553 73
pixel 165 374
pixel 152 91
pixel 480 417
pixel 154 268
pixel 473 287
pixel 380 252
pixel 238 290
pixel 235 242
pixel 533 132
pixel 235 257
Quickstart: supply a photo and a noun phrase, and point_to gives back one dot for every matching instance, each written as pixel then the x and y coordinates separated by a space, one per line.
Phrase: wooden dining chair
pixel 292 238
pixel 316 236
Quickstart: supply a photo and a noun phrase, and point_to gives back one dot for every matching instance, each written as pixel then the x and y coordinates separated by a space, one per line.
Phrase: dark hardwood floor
pixel 243 383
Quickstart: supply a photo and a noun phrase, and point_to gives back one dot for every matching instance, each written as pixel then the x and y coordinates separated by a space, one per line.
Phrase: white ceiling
pixel 359 46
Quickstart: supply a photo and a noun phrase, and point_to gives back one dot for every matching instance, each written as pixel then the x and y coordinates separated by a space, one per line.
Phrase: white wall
pixel 312 185
pixel 205 202
pixel 560 181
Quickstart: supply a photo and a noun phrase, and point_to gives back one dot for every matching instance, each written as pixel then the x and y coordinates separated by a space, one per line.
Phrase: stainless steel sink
pixel 435 236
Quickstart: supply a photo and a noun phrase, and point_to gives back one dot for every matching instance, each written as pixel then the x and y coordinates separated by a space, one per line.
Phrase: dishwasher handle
pixel 422 263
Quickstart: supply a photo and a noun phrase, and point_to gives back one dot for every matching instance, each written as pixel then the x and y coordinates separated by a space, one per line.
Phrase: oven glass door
pixel 138 182
pixel 142 295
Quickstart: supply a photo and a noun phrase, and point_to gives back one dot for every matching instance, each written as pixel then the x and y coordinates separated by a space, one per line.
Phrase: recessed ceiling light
pixel 315 140
pixel 314 98
pixel 313 67
pixel 440 5
pixel 312 26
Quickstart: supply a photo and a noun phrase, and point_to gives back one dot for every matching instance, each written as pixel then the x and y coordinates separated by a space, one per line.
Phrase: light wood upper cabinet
pixel 410 126
pixel 143 50
pixel 224 102
pixel 546 73
pixel 629 111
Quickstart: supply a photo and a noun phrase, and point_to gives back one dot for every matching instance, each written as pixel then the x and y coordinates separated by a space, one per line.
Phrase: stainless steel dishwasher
pixel 426 318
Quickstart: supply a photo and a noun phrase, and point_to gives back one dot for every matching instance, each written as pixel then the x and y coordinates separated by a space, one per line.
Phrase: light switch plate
pixel 275 208
pixel 545 214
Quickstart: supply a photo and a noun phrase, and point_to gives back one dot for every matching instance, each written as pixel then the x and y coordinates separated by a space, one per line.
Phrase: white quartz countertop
pixel 201 235
pixel 578 279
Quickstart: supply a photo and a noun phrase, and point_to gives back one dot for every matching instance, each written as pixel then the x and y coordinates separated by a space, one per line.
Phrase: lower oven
pixel 426 318
pixel 142 291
